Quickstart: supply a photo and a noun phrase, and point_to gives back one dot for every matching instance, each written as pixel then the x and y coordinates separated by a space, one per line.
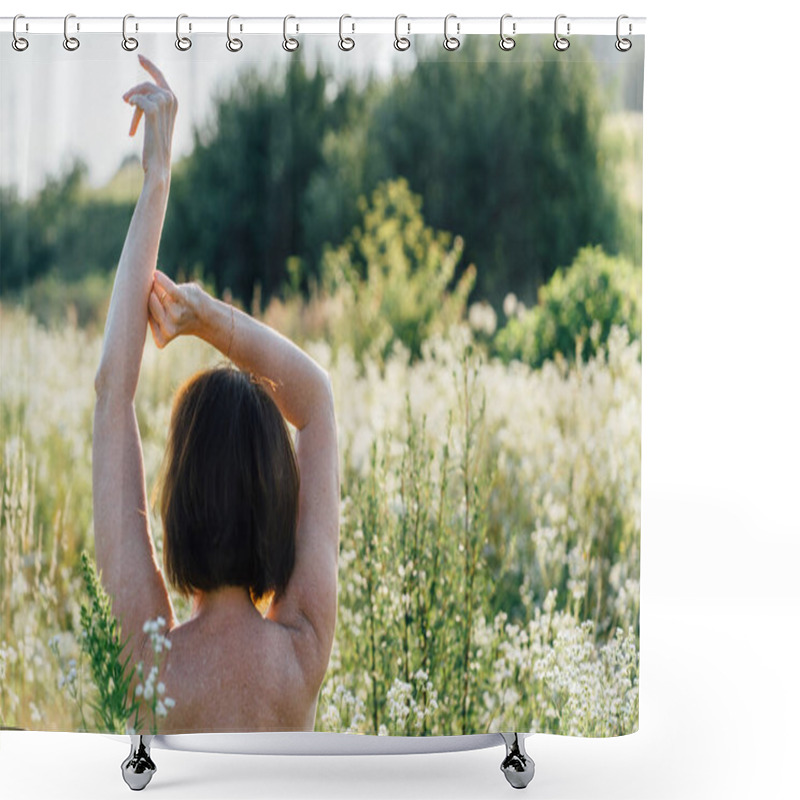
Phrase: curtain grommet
pixel 70 43
pixel 623 45
pixel 19 43
pixel 451 43
pixel 183 43
pixel 507 42
pixel 290 44
pixel 346 43
pixel 561 44
pixel 233 44
pixel 129 43
pixel 401 43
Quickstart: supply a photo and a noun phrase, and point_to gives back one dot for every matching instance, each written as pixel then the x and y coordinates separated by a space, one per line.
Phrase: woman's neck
pixel 227 601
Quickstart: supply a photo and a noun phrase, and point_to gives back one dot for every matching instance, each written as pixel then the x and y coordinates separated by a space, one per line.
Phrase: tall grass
pixel 489 559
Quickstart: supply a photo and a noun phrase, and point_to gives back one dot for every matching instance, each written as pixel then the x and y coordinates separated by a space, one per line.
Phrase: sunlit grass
pixel 489 562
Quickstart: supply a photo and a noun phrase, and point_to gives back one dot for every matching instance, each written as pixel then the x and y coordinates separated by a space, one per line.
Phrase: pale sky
pixel 55 104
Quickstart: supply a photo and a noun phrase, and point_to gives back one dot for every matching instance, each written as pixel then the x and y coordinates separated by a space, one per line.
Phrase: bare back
pixel 236 675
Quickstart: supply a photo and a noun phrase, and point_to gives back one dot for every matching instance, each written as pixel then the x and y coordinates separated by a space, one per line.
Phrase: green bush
pixel 56 301
pixel 576 311
pixel 66 229
pixel 391 280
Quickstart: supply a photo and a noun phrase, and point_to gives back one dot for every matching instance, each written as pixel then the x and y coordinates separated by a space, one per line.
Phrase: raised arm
pixel 301 389
pixel 123 545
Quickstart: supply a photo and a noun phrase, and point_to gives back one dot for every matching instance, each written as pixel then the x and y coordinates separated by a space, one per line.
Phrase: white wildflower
pixel 482 318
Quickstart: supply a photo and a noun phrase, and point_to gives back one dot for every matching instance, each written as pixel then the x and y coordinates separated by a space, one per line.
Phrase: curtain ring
pixel 560 42
pixel 128 42
pixel 70 42
pixel 289 44
pixel 623 45
pixel 401 42
pixel 183 43
pixel 234 45
pixel 18 42
pixel 345 43
pixel 506 42
pixel 450 42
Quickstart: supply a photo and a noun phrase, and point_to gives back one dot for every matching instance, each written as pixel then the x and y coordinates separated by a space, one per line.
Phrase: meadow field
pixel 490 524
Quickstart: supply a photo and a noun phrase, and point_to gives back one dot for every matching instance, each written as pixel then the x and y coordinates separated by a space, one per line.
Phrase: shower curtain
pixel 453 234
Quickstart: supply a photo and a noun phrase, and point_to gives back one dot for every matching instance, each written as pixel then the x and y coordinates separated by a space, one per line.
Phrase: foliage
pixel 505 148
pixel 235 204
pixel 64 231
pixel 112 674
pixel 82 302
pixel 519 158
pixel 452 618
pixel 391 279
pixel 576 312
pixel 33 595
pixel 414 575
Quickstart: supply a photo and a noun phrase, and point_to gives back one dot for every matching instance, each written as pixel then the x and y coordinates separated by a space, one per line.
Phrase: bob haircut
pixel 230 487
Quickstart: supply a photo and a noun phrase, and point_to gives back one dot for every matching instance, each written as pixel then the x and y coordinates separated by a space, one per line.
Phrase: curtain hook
pixel 450 42
pixel 560 43
pixel 18 42
pixel 70 42
pixel 345 43
pixel 289 44
pixel 506 42
pixel 623 45
pixel 128 42
pixel 183 43
pixel 401 42
pixel 234 45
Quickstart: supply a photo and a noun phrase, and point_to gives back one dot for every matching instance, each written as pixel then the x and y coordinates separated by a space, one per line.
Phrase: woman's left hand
pixel 174 309
pixel 159 106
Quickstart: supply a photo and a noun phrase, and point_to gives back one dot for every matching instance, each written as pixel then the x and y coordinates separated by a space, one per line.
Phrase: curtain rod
pixel 190 25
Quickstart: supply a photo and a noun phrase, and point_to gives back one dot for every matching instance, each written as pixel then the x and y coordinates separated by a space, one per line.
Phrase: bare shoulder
pixel 301 656
pixel 311 648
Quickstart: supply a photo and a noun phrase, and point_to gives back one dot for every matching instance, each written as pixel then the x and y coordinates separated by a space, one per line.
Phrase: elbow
pixel 104 381
pixel 319 405
pixel 100 382
pixel 102 391
pixel 326 389
pixel 107 386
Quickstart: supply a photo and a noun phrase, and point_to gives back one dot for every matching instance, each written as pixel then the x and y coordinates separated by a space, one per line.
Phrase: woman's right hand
pixel 174 309
pixel 159 106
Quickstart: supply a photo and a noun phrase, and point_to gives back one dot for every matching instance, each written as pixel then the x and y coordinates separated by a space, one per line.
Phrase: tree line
pixel 505 152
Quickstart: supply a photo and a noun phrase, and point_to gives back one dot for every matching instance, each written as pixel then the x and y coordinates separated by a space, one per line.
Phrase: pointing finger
pixel 154 71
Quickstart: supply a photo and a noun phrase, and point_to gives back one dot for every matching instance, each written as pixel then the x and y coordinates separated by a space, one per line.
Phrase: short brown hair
pixel 230 487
